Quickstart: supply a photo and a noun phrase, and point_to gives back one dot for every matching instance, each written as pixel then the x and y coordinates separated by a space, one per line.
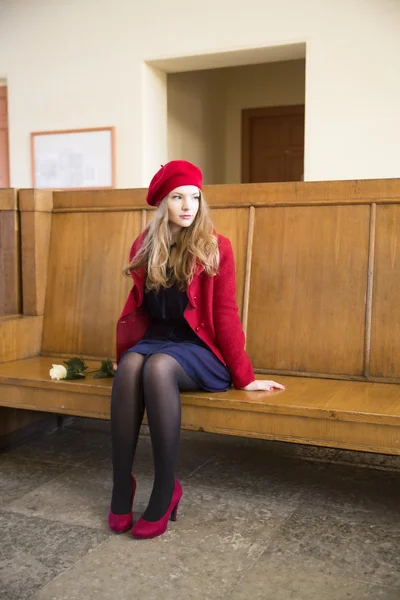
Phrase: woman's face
pixel 183 205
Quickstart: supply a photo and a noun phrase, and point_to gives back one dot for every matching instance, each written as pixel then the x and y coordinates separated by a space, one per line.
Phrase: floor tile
pixel 191 456
pixel 258 519
pixel 79 496
pixel 82 497
pixel 231 515
pixel 197 447
pixel 65 446
pixel 33 551
pixel 238 445
pixel 283 576
pixel 254 474
pixel 20 475
pixel 358 494
pixel 217 537
pixel 368 553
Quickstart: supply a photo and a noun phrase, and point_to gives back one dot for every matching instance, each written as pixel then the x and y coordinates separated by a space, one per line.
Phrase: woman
pixel 179 331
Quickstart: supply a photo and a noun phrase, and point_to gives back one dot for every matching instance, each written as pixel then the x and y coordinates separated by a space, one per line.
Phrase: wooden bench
pixel 17 333
pixel 10 293
pixel 318 274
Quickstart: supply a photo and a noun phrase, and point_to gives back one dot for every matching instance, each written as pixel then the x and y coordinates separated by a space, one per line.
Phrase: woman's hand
pixel 263 384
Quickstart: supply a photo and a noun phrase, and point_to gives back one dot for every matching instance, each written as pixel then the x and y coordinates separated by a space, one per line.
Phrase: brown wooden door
pixel 273 144
pixel 4 159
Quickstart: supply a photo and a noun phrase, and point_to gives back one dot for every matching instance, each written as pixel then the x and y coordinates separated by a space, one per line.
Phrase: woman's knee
pixel 130 362
pixel 158 367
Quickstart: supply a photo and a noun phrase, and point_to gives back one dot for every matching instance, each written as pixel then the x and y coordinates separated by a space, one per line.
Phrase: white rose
pixel 58 372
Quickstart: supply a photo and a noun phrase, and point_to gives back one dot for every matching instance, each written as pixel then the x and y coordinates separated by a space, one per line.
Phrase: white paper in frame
pixel 73 159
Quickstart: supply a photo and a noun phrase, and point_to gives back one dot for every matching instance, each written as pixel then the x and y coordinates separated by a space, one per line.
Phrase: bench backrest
pixel 10 272
pixel 317 270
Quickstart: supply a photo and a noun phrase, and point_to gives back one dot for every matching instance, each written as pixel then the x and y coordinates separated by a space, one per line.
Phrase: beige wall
pixel 154 120
pixel 205 107
pixel 84 64
pixel 196 121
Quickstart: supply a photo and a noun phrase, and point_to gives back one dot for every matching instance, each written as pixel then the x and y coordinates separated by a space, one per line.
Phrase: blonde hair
pixel 196 245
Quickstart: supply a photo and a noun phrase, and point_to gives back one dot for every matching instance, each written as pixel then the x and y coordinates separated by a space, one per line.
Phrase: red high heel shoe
pixel 121 523
pixel 149 529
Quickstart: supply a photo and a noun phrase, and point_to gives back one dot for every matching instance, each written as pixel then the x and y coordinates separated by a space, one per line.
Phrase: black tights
pixel 153 385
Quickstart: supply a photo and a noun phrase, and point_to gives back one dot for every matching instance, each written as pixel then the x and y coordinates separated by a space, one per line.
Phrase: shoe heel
pixel 147 529
pixel 174 514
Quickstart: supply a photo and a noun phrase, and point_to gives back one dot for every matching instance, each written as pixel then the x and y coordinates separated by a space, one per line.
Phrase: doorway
pixel 273 144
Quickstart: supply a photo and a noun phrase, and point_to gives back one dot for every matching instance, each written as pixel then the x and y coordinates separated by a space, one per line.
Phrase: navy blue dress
pixel 169 333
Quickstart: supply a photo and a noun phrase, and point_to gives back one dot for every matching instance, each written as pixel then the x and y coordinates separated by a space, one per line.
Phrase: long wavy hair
pixel 196 245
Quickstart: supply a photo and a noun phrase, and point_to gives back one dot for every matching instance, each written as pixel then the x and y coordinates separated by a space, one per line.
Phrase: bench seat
pixel 318 283
pixel 326 412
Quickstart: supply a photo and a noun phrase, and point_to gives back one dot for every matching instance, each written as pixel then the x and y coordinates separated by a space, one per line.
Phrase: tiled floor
pixel 258 521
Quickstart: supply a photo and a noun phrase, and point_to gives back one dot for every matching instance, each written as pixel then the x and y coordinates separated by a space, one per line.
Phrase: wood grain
pixel 308 288
pixel 8 199
pixel 10 268
pixel 233 223
pixel 20 337
pixel 314 281
pixel 271 136
pixel 35 239
pixel 303 397
pixel 370 288
pixel 247 278
pixel 385 332
pixel 324 412
pixel 306 193
pixel 85 288
pixel 35 213
pixel 35 200
pixel 100 200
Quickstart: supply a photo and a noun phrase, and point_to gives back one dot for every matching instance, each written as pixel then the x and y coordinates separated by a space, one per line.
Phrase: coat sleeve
pixel 228 327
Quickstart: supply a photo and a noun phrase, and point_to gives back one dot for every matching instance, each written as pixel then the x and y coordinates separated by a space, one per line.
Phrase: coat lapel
pixel 193 287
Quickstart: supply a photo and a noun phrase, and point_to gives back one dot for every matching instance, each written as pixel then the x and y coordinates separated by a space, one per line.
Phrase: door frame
pixel 247 115
pixel 4 94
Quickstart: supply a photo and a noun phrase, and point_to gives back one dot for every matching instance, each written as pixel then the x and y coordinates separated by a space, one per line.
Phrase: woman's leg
pixel 163 378
pixel 127 409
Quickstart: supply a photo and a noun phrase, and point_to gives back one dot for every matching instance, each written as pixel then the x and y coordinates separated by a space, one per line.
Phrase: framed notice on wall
pixel 73 159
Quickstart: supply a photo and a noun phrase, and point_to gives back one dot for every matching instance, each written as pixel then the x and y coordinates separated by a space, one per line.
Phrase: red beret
pixel 172 175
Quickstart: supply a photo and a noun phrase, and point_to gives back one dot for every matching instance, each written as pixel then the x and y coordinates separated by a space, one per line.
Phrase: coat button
pixel 197 328
pixel 194 297
pixel 201 324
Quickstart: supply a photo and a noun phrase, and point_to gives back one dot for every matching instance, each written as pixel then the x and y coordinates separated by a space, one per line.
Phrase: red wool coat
pixel 211 312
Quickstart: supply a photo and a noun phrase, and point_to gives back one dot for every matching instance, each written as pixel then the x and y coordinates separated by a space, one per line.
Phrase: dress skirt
pixel 169 333
pixel 198 362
